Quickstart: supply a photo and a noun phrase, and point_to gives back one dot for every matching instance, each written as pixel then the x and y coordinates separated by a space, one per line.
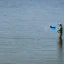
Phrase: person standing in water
pixel 60 43
pixel 60 30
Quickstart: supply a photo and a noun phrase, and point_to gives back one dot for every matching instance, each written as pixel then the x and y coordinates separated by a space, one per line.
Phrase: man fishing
pixel 60 30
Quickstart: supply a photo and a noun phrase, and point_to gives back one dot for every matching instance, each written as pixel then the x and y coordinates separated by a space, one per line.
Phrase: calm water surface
pixel 25 36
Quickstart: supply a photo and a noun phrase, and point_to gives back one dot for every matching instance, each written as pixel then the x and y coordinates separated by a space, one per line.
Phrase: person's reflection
pixel 60 42
pixel 60 50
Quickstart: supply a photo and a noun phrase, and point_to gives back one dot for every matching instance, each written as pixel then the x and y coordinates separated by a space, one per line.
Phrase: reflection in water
pixel 60 50
pixel 60 42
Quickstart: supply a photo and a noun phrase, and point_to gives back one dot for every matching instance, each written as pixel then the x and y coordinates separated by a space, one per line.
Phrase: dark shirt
pixel 60 30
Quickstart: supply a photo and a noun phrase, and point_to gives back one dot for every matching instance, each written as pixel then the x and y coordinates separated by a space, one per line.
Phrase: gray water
pixel 25 36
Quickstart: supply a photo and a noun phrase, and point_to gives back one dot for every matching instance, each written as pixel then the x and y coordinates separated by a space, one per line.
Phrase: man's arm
pixel 58 29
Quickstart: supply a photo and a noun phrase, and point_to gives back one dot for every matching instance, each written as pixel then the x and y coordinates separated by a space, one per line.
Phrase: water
pixel 25 34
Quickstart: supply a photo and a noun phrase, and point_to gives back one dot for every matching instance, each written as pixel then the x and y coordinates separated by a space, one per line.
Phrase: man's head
pixel 60 24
